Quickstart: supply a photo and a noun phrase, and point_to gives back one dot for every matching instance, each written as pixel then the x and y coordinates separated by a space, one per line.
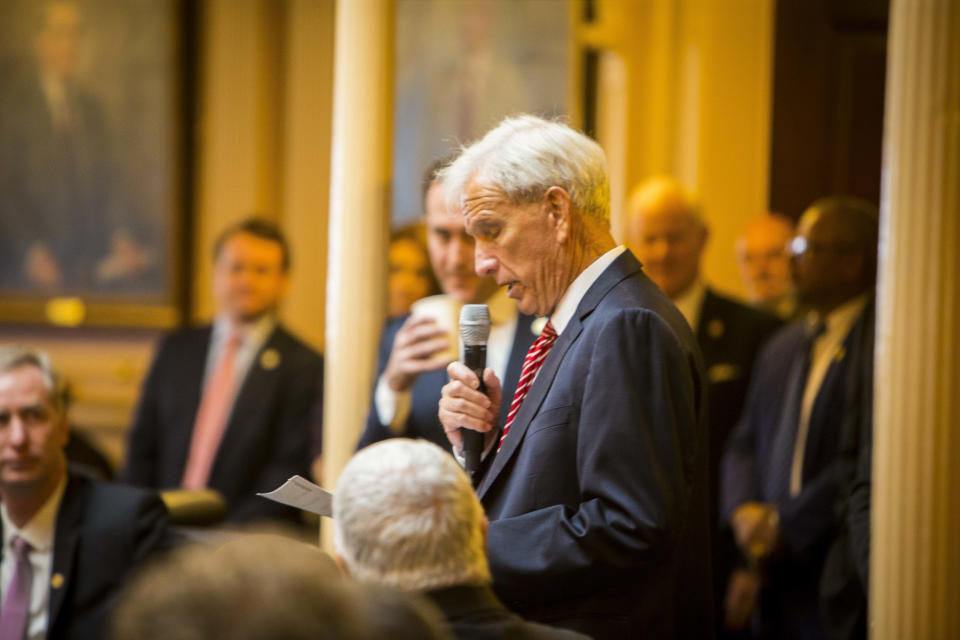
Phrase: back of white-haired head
pixel 405 515
pixel 526 155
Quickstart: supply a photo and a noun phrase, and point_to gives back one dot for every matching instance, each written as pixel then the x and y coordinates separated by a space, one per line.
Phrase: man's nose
pixel 484 263
pixel 461 252
pixel 17 432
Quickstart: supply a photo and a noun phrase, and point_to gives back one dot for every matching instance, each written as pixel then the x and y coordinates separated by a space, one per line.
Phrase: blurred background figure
pixel 764 262
pixel 786 469
pixel 409 269
pixel 406 516
pixel 669 235
pixel 229 406
pixel 260 587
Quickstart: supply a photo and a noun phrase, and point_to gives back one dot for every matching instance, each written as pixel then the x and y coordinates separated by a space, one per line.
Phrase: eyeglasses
pixel 800 246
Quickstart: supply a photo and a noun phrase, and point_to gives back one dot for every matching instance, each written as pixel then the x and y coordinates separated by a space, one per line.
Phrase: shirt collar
pixel 690 302
pixel 253 333
pixel 571 298
pixel 839 321
pixel 40 529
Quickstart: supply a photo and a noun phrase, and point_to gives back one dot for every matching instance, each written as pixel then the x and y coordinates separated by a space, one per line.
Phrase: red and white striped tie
pixel 531 364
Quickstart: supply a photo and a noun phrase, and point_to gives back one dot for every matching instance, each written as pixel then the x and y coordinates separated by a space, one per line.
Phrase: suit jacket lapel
pixel 249 403
pixel 624 266
pixel 68 533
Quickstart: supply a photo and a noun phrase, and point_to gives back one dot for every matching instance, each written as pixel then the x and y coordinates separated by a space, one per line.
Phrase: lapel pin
pixel 56 580
pixel 715 328
pixel 270 359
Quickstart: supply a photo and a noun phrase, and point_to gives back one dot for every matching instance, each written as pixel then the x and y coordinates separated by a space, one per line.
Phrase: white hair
pixel 525 155
pixel 13 357
pixel 405 515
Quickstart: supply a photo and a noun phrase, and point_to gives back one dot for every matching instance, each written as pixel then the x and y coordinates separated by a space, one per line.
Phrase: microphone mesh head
pixel 474 324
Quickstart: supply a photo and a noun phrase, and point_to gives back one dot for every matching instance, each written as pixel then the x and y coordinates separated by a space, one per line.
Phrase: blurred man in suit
pixel 68 543
pixel 784 471
pixel 764 261
pixel 229 406
pixel 383 497
pixel 410 371
pixel 668 234
pixel 596 486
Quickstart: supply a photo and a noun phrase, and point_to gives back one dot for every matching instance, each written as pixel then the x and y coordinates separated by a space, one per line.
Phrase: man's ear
pixel 559 208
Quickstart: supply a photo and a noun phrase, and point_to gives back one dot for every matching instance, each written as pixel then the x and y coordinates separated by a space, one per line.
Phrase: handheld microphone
pixel 474 331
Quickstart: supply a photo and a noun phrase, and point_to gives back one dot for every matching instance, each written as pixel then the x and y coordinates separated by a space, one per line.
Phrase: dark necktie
pixel 531 364
pixel 776 485
pixel 16 604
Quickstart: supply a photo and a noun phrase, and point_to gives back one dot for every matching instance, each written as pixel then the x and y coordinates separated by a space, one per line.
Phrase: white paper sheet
pixel 301 493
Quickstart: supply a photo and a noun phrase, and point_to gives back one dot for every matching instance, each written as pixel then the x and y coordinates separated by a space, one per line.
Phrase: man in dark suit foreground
pixel 669 235
pixel 405 515
pixel 412 357
pixel 596 486
pixel 229 406
pixel 795 446
pixel 78 536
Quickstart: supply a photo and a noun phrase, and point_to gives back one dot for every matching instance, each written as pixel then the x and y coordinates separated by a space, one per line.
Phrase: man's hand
pixel 756 528
pixel 413 353
pixel 462 405
pixel 739 601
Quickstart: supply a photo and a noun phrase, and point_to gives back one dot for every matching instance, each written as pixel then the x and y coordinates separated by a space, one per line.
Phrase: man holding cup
pixel 415 349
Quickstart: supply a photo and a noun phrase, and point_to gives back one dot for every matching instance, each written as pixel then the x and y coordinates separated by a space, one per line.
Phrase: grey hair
pixel 13 357
pixel 525 155
pixel 405 515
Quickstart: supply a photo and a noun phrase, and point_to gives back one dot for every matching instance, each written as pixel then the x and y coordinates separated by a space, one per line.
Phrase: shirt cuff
pixel 393 407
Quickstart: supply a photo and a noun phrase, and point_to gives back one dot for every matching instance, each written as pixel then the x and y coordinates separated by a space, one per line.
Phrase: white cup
pixel 445 311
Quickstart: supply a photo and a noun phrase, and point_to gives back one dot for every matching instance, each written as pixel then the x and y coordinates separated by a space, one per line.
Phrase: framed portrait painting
pixel 92 179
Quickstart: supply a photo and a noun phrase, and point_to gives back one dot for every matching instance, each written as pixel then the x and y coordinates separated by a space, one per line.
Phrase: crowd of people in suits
pixel 659 459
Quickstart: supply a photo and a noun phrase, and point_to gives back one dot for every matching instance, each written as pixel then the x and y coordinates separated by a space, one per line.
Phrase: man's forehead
pixel 25 379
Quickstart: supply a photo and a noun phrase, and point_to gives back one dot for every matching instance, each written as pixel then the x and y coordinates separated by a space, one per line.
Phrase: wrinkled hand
pixel 41 267
pixel 740 598
pixel 756 528
pixel 463 405
pixel 414 352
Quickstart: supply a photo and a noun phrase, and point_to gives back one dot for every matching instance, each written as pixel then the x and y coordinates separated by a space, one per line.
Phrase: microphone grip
pixel 475 357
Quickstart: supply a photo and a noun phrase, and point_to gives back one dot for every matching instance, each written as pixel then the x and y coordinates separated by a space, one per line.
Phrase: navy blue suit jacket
pixel 423 421
pixel 598 500
pixel 268 434
pixel 809 520
pixel 103 532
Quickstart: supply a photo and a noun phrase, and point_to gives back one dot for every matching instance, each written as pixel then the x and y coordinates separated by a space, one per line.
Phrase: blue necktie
pixel 776 483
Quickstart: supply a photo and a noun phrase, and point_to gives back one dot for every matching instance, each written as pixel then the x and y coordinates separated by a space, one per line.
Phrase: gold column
pixel 359 221
pixel 915 562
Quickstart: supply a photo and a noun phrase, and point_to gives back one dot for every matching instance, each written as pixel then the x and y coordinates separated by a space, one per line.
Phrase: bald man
pixel 668 234
pixel 764 264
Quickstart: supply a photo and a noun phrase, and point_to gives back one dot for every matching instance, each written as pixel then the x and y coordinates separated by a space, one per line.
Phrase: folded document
pixel 301 493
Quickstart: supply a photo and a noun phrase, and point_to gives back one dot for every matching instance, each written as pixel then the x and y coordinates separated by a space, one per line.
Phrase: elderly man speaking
pixel 595 486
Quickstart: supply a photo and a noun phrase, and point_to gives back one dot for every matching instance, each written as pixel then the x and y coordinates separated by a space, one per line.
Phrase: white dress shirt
pixel 826 348
pixel 253 336
pixel 690 303
pixel 39 533
pixel 393 407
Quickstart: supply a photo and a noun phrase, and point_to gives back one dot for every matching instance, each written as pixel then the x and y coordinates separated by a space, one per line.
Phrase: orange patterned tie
pixel 212 416
pixel 531 364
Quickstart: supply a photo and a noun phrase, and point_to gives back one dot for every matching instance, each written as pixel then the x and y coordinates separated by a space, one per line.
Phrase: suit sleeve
pixel 636 442
pixel 374 430
pixel 141 465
